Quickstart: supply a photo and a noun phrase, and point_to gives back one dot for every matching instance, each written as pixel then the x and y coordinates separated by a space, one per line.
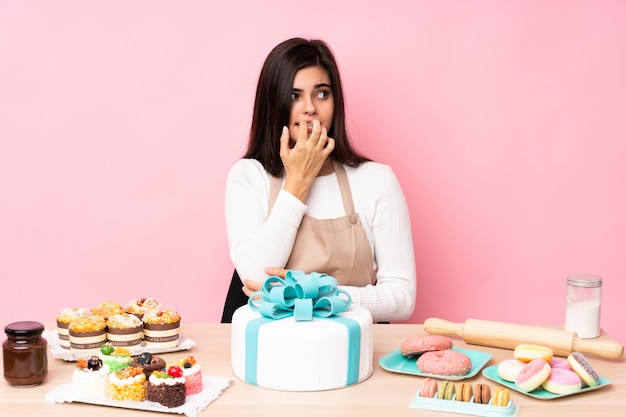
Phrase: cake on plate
pixel 124 330
pixel 64 318
pixel 87 334
pixel 167 387
pixel 107 309
pixel 128 384
pixel 161 327
pixel 149 363
pixel 114 357
pixel 193 375
pixel 301 345
pixel 90 378
pixel 142 306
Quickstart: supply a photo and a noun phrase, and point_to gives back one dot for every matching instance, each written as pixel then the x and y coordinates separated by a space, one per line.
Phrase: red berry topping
pixel 175 371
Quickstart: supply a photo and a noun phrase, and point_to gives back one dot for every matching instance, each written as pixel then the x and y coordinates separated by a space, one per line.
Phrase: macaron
pixel 583 368
pixel 501 397
pixel 444 362
pixel 464 391
pixel 562 381
pixel 446 391
pixel 416 345
pixel 527 353
pixel 532 375
pixel 482 394
pixel 510 368
pixel 429 388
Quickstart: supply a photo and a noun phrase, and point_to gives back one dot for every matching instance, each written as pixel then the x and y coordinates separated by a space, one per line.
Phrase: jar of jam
pixel 25 354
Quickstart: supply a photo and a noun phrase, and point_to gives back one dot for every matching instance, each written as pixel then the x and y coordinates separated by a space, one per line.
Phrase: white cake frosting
pixel 303 355
pixel 90 384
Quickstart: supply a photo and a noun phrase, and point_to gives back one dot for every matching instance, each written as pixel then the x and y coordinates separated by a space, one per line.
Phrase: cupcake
pixel 115 358
pixel 128 384
pixel 149 363
pixel 192 374
pixel 167 387
pixel 87 334
pixel 64 318
pixel 107 309
pixel 141 306
pixel 124 330
pixel 161 328
pixel 90 378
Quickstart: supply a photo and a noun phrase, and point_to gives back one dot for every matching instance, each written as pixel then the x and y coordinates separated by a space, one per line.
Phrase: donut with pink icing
pixel 444 362
pixel 532 375
pixel 562 381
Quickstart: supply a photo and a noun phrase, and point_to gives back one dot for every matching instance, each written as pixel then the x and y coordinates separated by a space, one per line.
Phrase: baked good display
pixel 464 391
pixel 107 309
pixel 90 378
pixel 63 320
pixel 527 353
pixel 148 362
pixel 193 375
pixel 583 368
pixel 416 345
pixel 562 381
pixel 444 362
pixel 124 330
pixel 114 357
pixel 429 388
pixel 533 375
pixel 161 327
pixel 293 346
pixel 128 384
pixel 167 387
pixel 141 306
pixel 86 335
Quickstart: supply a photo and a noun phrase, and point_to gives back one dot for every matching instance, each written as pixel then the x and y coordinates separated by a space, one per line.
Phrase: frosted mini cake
pixel 87 334
pixel 142 306
pixel 115 358
pixel 90 378
pixel 167 387
pixel 161 328
pixel 128 384
pixel 64 318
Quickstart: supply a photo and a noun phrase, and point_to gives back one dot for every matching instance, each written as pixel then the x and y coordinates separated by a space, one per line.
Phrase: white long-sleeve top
pixel 257 241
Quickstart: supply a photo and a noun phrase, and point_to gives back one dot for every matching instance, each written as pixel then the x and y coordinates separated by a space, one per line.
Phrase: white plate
pixel 194 404
pixel 59 352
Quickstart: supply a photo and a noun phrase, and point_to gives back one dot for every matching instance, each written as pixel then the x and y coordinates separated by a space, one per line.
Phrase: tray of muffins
pixel 141 325
pixel 146 382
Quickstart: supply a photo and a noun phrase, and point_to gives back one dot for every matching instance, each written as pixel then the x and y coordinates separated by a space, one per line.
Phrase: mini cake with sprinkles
pixel 193 375
pixel 124 330
pixel 114 357
pixel 161 327
pixel 167 387
pixel 142 306
pixel 149 363
pixel 86 335
pixel 64 318
pixel 128 384
pixel 90 378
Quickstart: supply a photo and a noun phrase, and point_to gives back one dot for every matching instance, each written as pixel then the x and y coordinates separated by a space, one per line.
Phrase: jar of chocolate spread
pixel 25 354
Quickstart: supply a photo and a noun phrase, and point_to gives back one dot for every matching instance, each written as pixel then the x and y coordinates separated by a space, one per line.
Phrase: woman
pixel 302 198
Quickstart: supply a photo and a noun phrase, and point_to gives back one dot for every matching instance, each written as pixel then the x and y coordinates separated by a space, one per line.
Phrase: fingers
pixel 278 272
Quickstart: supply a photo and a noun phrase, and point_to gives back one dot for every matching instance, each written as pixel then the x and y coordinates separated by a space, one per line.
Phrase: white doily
pixel 58 352
pixel 194 404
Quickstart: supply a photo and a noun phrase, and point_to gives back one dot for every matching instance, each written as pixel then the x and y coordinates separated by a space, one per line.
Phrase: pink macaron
pixel 532 375
pixel 429 389
pixel 562 381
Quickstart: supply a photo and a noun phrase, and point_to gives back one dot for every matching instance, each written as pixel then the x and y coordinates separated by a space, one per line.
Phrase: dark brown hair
pixel 272 104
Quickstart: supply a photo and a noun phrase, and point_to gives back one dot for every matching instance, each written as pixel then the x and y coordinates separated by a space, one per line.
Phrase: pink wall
pixel 503 120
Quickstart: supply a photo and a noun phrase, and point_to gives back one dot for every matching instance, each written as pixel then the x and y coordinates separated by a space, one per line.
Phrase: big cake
pixel 301 334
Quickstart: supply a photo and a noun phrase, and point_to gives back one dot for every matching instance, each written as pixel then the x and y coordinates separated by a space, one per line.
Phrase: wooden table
pixel 383 394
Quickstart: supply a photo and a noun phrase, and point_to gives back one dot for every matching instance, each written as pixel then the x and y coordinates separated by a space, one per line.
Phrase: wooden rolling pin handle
pixel 439 326
pixel 605 348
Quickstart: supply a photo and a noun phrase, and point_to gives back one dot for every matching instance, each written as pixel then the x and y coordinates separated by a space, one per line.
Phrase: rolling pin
pixel 508 335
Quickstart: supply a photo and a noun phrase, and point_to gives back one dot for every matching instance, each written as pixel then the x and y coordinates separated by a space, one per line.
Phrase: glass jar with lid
pixel 24 354
pixel 582 305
